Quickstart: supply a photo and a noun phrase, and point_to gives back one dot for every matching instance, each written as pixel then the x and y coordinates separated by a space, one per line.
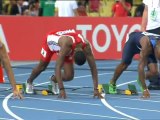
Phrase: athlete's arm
pixel 92 64
pixel 65 49
pixel 4 58
pixel 91 61
pixel 142 62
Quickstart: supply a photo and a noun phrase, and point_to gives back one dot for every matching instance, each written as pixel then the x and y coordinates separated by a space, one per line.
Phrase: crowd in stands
pixel 99 8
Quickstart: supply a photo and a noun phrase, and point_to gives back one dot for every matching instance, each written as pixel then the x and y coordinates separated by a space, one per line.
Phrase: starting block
pixel 19 87
pixel 42 92
pixel 130 91
pixel 45 92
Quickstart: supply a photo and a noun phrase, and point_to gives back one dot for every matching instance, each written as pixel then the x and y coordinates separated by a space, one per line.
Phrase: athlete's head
pixel 79 57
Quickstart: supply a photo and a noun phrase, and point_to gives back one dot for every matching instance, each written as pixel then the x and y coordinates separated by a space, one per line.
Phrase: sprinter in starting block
pixel 71 48
pixel 148 46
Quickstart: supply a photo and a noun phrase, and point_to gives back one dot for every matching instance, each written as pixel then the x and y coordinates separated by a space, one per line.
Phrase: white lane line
pixel 140 109
pixel 64 101
pixel 142 100
pixel 2 95
pixel 80 94
pixel 48 71
pixel 19 63
pixel 66 112
pixel 5 87
pixel 5 107
pixel 5 101
pixel 38 84
pixel 5 119
pixel 115 110
pixel 126 83
pixel 105 68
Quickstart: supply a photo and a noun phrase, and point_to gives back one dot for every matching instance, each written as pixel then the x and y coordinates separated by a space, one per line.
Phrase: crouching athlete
pixel 148 46
pixel 71 47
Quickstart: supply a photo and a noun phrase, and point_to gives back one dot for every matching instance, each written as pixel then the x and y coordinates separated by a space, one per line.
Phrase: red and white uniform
pixel 50 44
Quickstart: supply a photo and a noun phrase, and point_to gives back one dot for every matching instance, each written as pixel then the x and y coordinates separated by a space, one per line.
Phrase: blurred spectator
pixel 8 6
pixel 66 8
pixel 139 10
pixel 151 17
pixel 0 7
pixel 25 4
pixel 130 1
pixel 121 9
pixel 34 8
pixel 26 12
pixel 32 1
pixel 47 7
pixel 82 8
pixel 18 8
pixel 94 6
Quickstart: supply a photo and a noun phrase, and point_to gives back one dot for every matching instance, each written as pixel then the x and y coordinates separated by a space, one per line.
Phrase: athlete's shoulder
pixel 62 32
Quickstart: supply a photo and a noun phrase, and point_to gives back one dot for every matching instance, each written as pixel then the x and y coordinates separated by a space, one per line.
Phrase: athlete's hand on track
pixel 62 94
pixel 17 94
pixel 146 94
pixel 97 94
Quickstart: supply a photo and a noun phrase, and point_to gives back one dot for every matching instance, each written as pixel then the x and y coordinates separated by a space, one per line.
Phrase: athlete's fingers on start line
pixel 97 94
pixel 62 94
pixel 18 96
pixel 146 94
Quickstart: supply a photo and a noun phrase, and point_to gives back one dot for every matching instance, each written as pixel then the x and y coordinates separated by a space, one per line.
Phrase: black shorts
pixel 131 49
